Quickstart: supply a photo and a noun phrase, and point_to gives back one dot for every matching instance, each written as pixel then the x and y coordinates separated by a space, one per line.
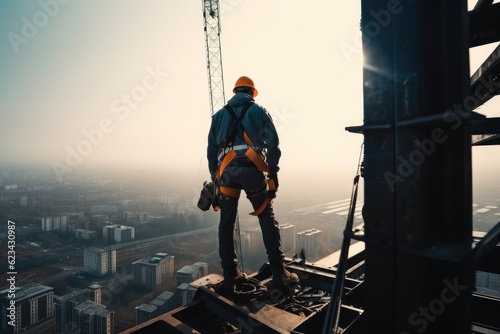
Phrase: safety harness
pixel 230 152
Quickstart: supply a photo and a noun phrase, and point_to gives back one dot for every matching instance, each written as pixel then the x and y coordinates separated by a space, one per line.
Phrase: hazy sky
pixel 124 82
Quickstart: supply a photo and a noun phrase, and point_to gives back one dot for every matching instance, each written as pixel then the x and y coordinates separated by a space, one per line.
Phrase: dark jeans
pixel 241 175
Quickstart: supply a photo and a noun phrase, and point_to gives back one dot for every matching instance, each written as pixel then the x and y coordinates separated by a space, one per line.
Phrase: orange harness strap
pixel 254 156
pixel 231 192
pixel 267 201
pixel 263 167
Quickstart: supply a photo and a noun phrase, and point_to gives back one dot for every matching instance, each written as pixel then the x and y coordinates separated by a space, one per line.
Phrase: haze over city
pixel 124 84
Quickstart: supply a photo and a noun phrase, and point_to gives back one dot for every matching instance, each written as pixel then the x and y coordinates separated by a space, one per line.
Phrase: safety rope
pixel 337 291
pixel 252 288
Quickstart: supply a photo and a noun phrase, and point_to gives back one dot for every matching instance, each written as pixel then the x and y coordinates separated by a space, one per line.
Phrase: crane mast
pixel 211 17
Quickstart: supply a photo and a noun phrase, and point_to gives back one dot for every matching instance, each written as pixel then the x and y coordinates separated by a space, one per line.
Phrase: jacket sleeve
pixel 272 143
pixel 212 150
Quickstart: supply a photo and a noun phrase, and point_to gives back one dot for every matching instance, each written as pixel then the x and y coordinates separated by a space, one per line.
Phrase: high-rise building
pixel 184 293
pixel 24 200
pixel 158 306
pixel 127 215
pixel 47 223
pixel 33 304
pixel 153 271
pixel 118 233
pixel 124 233
pixel 187 274
pixel 101 209
pixel 99 219
pixel 288 237
pixel 145 312
pixel 245 247
pixel 310 242
pixel 85 234
pixel 99 261
pixel 64 306
pixel 253 249
pixel 144 216
pixel 93 318
pixel 55 223
pixel 203 268
pixel 488 283
pixel 168 296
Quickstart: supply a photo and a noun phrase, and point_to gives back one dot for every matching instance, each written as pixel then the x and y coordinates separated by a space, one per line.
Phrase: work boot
pixel 232 275
pixel 281 276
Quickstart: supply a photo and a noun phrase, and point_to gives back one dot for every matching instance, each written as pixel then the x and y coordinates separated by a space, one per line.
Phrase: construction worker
pixel 249 161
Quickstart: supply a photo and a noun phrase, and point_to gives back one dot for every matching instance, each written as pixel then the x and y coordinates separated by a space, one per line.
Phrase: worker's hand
pixel 271 194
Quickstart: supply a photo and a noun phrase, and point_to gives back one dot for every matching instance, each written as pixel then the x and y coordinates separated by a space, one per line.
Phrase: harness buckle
pixel 235 148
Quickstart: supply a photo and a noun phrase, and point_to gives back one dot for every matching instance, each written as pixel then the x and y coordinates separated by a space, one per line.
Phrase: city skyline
pixel 105 202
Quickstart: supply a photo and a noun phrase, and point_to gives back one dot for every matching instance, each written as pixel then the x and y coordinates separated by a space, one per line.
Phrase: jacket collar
pixel 240 99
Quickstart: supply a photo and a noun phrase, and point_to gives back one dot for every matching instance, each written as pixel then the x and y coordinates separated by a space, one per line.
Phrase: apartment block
pixel 153 271
pixel 309 241
pixel 33 304
pixel 187 274
pixel 118 233
pixel 158 306
pixel 93 318
pixel 99 261
pixel 288 239
pixel 53 223
pixel 64 306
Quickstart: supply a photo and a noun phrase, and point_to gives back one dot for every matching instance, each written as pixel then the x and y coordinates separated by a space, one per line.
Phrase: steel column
pixel 418 200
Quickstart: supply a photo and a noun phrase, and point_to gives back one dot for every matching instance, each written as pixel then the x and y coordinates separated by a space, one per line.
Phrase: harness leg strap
pixel 267 201
pixel 231 192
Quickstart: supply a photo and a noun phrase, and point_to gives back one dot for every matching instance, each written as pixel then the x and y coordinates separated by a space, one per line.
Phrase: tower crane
pixel 211 17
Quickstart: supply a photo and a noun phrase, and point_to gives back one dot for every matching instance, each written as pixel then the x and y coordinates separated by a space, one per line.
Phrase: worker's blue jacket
pixel 257 123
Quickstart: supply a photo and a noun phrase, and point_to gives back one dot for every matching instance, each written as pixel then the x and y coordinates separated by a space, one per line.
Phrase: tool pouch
pixel 206 196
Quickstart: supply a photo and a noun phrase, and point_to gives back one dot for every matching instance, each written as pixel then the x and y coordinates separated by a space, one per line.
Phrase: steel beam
pixel 485 82
pixel 484 24
pixel 485 311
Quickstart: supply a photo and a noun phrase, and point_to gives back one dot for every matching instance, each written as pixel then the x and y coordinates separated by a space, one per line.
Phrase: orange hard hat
pixel 245 81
